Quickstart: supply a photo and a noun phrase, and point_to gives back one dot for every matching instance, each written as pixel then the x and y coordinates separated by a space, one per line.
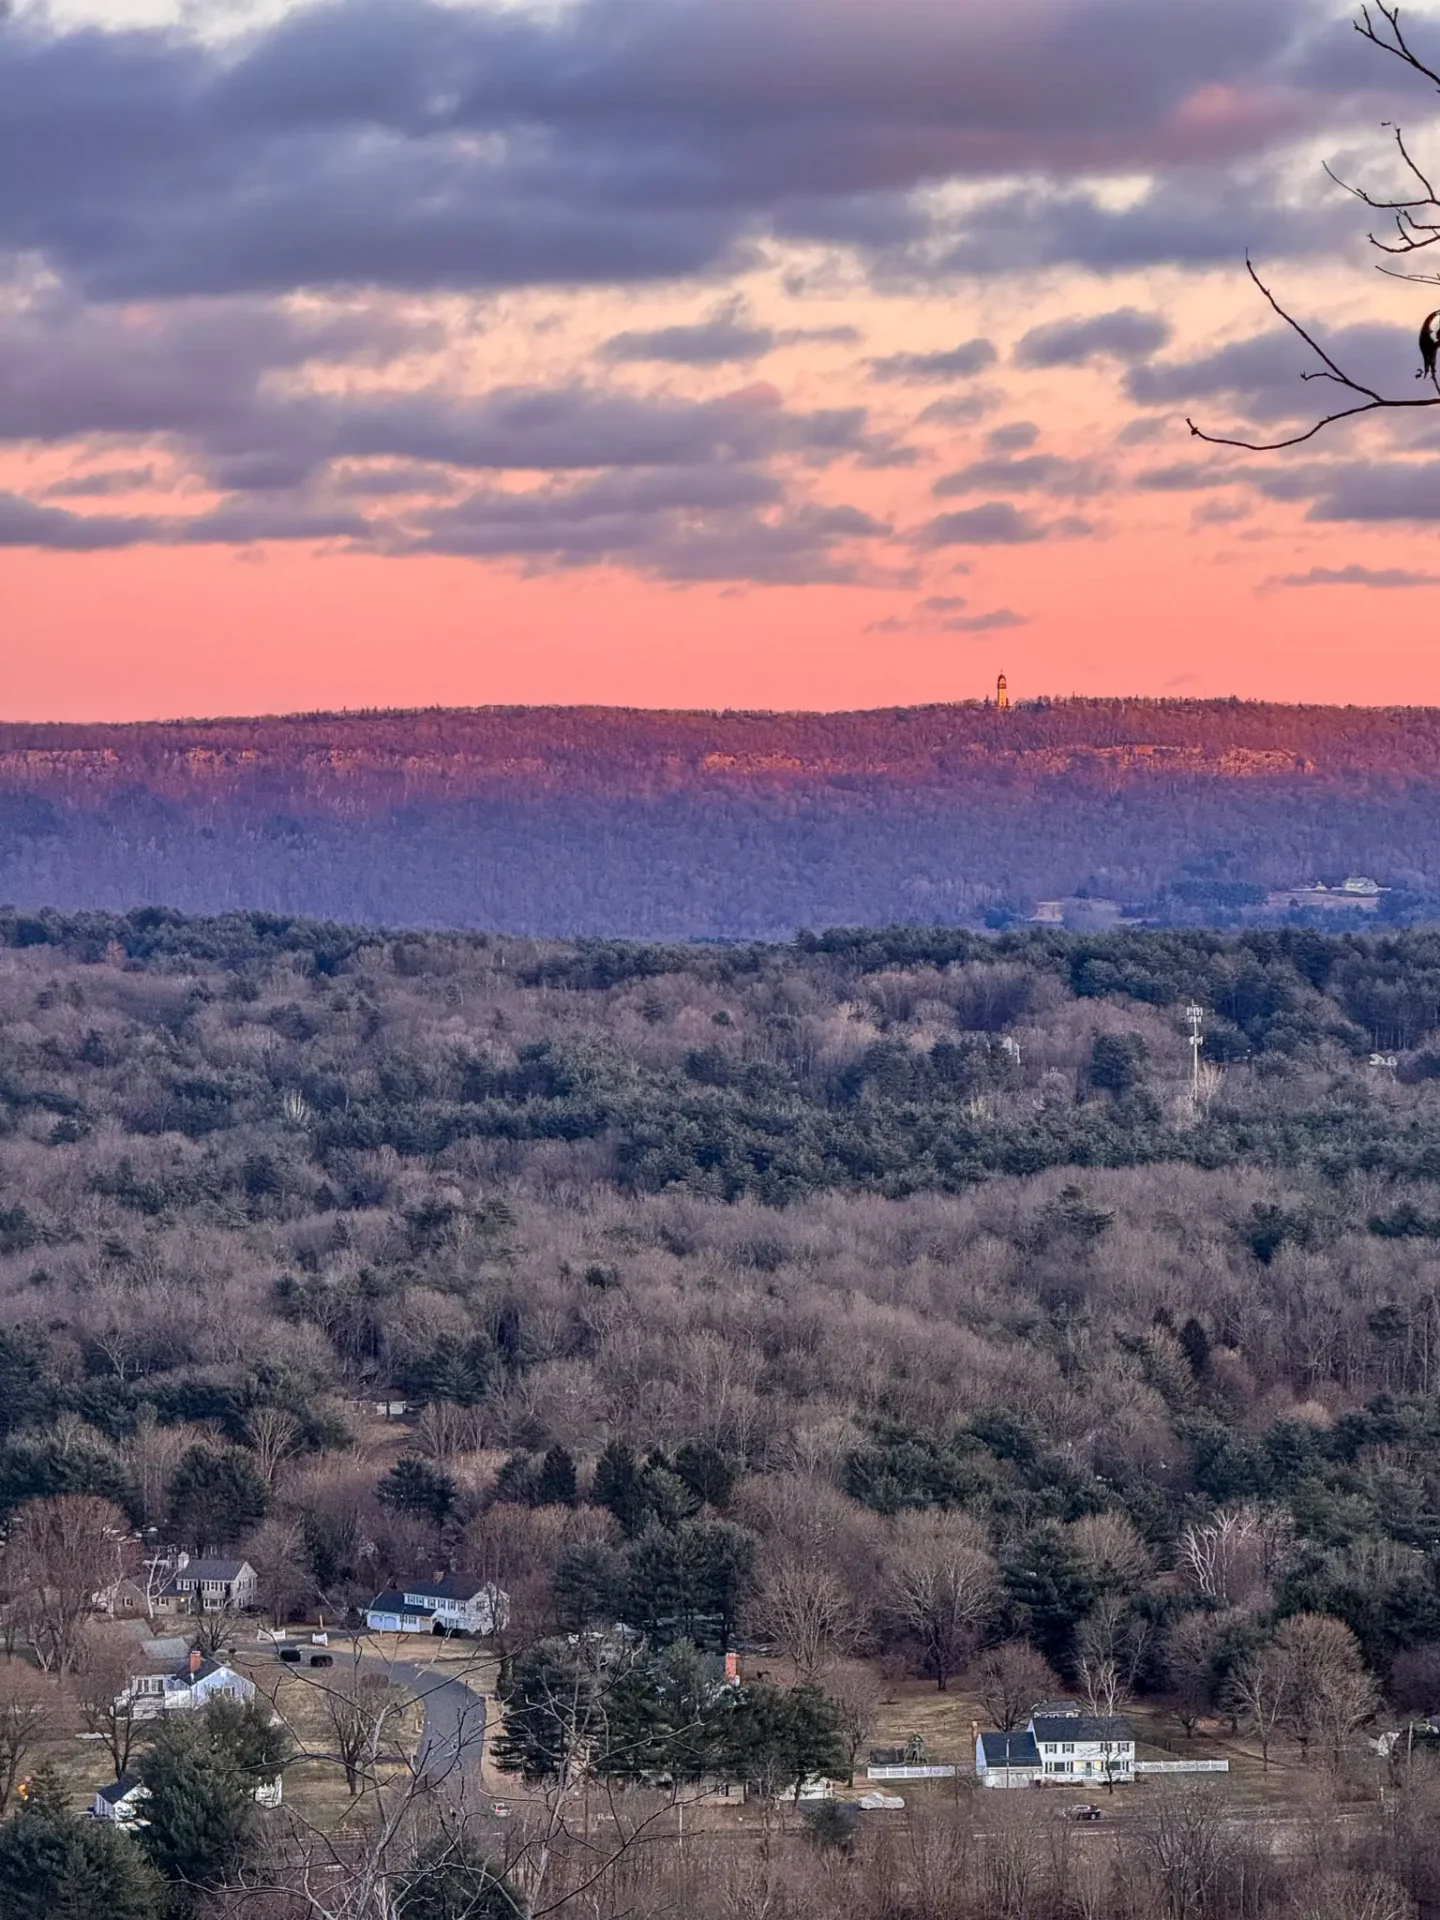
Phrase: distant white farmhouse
pixel 456 1604
pixel 151 1695
pixel 1061 1746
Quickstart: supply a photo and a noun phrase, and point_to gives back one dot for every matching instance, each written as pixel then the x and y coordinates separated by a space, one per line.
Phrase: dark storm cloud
pixel 956 363
pixel 1125 335
pixel 415 145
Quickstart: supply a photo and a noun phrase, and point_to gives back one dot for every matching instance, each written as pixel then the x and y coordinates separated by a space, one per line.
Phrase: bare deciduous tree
pixel 1258 1688
pixel 108 1706
pixel 1327 1691
pixel 941 1585
pixel 273 1435
pixel 802 1607
pixel 1010 1680
pixel 68 1550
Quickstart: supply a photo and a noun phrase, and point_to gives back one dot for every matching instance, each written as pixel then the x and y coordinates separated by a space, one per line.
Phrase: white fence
pixel 1182 1766
pixel 911 1773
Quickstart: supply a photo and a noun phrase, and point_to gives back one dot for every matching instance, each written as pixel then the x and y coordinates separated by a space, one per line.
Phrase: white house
pixel 1007 1759
pixel 208 1586
pixel 1074 1746
pixel 120 1801
pixel 124 1798
pixel 151 1695
pixel 455 1604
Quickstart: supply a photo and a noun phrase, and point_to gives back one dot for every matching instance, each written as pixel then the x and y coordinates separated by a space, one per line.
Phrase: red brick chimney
pixel 196 1661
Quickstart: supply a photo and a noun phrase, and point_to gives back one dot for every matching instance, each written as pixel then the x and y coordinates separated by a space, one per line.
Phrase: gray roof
pixel 210 1570
pixel 117 1790
pixel 1080 1726
pixel 1009 1750
pixel 391 1601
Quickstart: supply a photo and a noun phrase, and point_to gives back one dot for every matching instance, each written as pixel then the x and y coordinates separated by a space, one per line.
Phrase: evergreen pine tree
pixel 555 1484
pixel 54 1862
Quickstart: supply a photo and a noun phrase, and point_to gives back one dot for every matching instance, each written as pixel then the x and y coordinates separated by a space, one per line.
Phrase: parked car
pixel 290 1655
pixel 1083 1812
pixel 322 1659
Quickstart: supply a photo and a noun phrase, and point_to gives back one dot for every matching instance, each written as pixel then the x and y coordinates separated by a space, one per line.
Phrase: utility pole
pixel 1196 1016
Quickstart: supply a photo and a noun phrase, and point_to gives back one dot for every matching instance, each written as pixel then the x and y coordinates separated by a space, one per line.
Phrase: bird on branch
pixel 1429 347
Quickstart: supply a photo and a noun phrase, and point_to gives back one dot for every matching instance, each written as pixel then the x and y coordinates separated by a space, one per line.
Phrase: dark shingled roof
pixel 1009 1750
pixel 117 1790
pixel 391 1601
pixel 1081 1726
pixel 210 1570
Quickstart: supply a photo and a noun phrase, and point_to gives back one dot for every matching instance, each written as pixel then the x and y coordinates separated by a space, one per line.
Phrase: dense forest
pixel 902 1302
pixel 728 826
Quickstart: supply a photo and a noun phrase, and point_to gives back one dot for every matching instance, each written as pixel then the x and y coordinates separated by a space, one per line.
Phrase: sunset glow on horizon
pixel 675 353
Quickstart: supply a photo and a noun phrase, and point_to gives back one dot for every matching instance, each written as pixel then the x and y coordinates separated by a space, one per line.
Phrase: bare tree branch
pixel 1416 223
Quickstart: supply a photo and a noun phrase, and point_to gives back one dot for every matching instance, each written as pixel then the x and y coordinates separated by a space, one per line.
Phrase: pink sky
pixel 754 355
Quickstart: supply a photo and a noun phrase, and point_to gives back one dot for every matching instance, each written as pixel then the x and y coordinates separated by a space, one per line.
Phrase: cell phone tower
pixel 1196 1016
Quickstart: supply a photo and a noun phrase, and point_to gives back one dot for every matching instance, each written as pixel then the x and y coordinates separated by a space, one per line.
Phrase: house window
pixel 1067 1746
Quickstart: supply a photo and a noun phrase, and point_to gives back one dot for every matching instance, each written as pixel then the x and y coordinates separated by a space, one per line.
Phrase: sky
pixel 709 353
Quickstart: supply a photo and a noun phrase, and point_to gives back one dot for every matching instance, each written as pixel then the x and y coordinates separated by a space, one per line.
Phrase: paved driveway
pixel 453 1738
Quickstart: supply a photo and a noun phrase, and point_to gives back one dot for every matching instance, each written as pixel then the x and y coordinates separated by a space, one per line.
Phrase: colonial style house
pixel 456 1604
pixel 1061 1746
pixel 1082 1746
pixel 208 1586
pixel 151 1695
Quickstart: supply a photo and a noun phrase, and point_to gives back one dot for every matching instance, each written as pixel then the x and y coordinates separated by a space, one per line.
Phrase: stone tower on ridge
pixel 1002 695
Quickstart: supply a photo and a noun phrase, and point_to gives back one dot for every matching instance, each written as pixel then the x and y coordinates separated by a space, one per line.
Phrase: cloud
pixel 1356 576
pixel 1033 473
pixel 1014 437
pixel 961 411
pixel 995 524
pixel 698 527
pixel 417 145
pixel 1126 334
pixel 997 621
pixel 957 363
pixel 23 524
pixel 1263 374
pixel 727 335
pixel 99 486
pixel 923 619
pixel 1366 491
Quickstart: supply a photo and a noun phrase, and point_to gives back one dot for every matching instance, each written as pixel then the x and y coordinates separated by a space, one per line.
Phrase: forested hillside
pixel 899 1303
pixel 692 825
